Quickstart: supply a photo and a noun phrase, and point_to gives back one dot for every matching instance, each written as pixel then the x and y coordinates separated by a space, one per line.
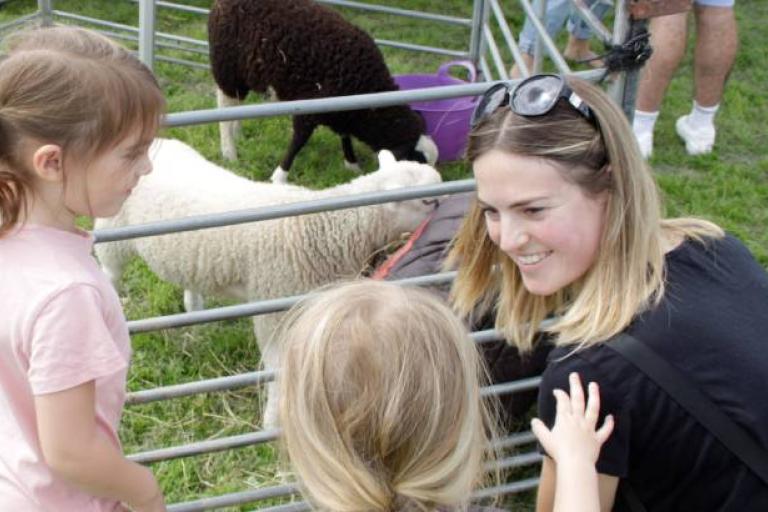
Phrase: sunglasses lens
pixel 488 104
pixel 537 96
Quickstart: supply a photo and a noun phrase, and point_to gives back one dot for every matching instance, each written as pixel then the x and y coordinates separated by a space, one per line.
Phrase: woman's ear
pixel 48 163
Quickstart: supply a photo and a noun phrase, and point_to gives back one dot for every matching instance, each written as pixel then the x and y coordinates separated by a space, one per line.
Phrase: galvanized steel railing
pixel 481 42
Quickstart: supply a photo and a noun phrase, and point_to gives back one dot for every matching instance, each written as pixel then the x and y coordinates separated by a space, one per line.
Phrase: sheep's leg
pixel 193 301
pixel 350 160
pixel 264 327
pixel 228 130
pixel 270 360
pixel 302 131
pixel 113 257
pixel 115 275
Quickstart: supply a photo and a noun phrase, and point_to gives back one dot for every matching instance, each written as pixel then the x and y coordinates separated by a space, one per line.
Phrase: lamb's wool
pixel 302 50
pixel 258 260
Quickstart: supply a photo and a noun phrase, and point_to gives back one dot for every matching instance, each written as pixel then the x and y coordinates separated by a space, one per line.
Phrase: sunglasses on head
pixel 535 96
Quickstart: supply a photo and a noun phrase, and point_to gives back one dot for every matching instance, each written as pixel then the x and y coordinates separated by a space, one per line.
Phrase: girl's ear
pixel 47 162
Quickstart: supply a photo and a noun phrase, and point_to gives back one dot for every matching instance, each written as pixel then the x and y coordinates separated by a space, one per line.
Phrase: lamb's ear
pixel 386 158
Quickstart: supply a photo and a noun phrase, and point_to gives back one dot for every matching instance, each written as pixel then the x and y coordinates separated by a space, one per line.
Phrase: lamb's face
pixel 392 174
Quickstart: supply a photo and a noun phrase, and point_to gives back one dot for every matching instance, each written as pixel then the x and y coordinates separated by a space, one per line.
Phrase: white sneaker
pixel 645 141
pixel 698 139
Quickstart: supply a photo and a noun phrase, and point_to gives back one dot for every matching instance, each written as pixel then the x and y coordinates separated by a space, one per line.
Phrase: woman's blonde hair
pixel 380 402
pixel 628 274
pixel 74 88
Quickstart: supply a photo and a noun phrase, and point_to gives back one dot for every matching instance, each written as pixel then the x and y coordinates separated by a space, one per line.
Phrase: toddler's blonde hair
pixel 380 400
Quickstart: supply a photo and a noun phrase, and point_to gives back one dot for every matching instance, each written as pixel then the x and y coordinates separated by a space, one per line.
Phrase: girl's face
pixel 99 188
pixel 545 224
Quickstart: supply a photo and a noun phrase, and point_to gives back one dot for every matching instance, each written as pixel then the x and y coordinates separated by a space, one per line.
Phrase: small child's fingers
pixel 593 404
pixel 604 432
pixel 577 394
pixel 563 403
pixel 542 433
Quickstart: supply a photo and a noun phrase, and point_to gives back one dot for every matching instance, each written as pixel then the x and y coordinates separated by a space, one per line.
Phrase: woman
pixel 567 222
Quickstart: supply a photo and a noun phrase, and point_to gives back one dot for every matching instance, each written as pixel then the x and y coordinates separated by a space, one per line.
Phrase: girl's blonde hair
pixel 628 274
pixel 379 400
pixel 74 88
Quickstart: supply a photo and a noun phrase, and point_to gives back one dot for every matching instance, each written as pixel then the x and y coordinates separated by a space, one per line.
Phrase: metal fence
pixel 482 48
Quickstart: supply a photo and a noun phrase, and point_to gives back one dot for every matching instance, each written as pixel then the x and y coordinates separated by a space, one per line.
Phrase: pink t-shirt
pixel 62 326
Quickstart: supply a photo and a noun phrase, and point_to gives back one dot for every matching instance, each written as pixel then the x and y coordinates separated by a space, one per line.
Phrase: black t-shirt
pixel 712 324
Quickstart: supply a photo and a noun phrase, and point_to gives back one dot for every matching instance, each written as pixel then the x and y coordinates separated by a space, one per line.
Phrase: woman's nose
pixel 513 238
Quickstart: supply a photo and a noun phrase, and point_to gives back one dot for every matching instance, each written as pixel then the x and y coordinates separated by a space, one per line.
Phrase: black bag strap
pixel 709 415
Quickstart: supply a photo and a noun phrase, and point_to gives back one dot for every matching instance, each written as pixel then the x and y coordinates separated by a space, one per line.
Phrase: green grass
pixel 729 187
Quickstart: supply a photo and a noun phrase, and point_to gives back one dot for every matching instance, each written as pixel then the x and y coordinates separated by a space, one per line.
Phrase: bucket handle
pixel 444 70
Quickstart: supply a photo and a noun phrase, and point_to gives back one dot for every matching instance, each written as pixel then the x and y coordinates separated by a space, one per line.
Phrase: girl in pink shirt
pixel 77 116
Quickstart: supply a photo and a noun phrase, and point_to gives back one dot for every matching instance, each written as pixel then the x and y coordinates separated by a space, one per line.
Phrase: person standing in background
pixel 714 54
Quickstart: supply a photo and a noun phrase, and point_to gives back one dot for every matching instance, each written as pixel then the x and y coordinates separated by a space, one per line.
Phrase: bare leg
pixel 228 130
pixel 668 38
pixel 579 50
pixel 716 44
pixel 515 72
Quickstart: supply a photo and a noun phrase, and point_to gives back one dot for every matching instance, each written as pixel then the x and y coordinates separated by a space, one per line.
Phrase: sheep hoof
pixel 279 176
pixel 353 166
pixel 193 301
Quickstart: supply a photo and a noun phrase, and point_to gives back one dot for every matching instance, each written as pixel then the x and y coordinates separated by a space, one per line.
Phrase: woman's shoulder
pixel 714 263
pixel 595 363
pixel 713 251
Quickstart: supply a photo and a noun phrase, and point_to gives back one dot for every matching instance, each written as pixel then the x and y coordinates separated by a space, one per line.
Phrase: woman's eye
pixel 533 210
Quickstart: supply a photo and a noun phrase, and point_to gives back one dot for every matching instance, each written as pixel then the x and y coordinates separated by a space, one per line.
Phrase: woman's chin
pixel 541 289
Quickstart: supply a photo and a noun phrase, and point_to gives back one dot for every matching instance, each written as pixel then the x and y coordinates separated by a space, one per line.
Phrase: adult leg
pixel 578 48
pixel 668 38
pixel 554 19
pixel 716 44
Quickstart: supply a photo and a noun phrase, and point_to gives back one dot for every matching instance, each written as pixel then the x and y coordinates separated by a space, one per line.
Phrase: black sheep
pixel 303 50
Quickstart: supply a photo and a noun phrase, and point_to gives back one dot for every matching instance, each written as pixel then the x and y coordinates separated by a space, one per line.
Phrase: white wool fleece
pixel 258 260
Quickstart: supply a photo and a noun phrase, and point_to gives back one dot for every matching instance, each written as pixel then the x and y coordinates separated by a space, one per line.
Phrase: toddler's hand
pixel 154 504
pixel 573 437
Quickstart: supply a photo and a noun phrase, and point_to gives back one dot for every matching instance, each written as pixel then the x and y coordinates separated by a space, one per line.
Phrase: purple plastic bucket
pixel 447 120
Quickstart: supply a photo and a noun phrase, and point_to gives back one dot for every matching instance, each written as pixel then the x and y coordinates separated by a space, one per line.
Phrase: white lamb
pixel 258 260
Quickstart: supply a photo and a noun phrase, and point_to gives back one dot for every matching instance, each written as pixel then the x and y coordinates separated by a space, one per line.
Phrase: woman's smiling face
pixel 547 225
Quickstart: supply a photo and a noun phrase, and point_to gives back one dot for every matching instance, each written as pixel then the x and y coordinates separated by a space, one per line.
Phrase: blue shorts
pixel 557 13
pixel 715 3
